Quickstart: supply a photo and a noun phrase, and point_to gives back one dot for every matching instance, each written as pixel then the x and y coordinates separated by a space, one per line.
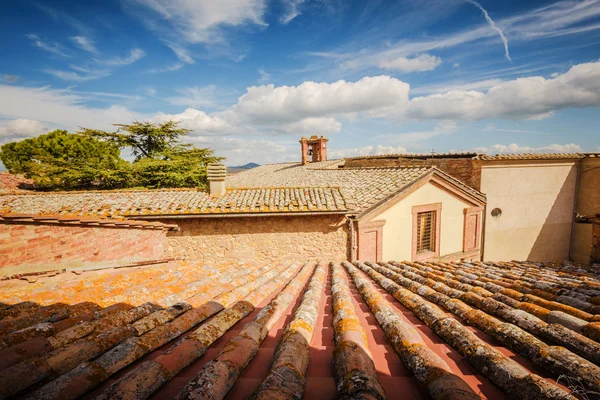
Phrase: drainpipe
pixel 353 246
pixel 575 200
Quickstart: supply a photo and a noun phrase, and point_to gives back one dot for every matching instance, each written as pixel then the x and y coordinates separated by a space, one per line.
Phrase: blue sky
pixel 250 77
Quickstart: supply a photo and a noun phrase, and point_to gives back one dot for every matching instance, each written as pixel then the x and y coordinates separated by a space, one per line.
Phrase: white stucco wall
pixel 537 201
pixel 397 231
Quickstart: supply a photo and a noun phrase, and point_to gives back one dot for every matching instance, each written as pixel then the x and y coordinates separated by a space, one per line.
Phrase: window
pixel 426 231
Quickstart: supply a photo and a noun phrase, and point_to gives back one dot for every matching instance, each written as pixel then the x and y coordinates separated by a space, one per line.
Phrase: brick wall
pixel 466 170
pixel 269 239
pixel 595 254
pixel 34 247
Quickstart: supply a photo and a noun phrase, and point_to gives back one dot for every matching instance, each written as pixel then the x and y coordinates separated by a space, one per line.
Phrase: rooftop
pixel 365 186
pixel 463 329
pixel 139 203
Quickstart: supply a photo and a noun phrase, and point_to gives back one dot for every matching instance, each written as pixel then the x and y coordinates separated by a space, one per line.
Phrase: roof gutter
pixel 238 215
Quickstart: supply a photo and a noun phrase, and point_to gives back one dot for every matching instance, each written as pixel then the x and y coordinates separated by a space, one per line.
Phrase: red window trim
pixel 437 207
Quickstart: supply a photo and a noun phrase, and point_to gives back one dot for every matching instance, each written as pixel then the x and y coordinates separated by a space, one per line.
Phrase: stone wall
pixel 256 239
pixel 36 247
pixel 595 254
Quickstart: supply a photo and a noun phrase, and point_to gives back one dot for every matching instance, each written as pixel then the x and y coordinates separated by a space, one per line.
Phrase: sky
pixel 251 77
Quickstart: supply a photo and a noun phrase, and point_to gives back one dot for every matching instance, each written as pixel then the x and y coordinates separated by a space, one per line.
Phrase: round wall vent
pixel 496 212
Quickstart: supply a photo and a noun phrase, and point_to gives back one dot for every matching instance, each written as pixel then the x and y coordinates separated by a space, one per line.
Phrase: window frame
pixel 416 210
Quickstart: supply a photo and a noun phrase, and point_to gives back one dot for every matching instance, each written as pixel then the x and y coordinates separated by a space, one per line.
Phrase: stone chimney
pixel 216 178
pixel 314 148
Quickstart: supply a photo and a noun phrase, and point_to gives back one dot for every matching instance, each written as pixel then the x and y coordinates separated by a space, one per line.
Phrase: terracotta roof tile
pixel 365 186
pixel 530 156
pixel 439 329
pixel 139 203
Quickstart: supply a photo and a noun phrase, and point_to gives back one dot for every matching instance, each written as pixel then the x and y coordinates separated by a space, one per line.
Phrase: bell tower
pixel 313 149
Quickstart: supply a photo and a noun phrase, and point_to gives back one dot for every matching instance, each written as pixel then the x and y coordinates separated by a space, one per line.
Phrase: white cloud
pixel 285 104
pixel 169 68
pixel 240 151
pixel 423 62
pixel 194 96
pixel 515 148
pixel 202 21
pixel 493 26
pixel 21 129
pixel 181 53
pixel 365 151
pixel 201 123
pixel 441 128
pixel 265 77
pixel 85 44
pixel 561 18
pixel 61 108
pixel 292 10
pixel 523 98
pixel 79 74
pixel 54 48
pixel 310 126
pixel 598 149
pixel 134 55
pixel 449 86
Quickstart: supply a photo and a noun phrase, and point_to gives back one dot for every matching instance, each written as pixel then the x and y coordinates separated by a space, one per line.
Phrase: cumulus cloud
pixel 515 148
pixel 19 129
pixel 523 98
pixel 375 95
pixel 423 62
pixel 365 151
pixel 85 43
pixel 200 122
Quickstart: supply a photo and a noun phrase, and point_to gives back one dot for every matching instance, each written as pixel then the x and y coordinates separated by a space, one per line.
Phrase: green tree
pixel 161 160
pixel 62 160
pixel 145 139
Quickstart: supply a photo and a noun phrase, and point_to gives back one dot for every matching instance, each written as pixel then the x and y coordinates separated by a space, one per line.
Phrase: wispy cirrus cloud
pixel 85 43
pixel 184 23
pixel 133 56
pixel 52 47
pixel 561 18
pixel 168 68
pixel 78 74
pixel 292 10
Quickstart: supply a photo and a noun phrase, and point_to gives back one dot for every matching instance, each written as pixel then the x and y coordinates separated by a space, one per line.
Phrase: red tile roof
pixel 139 203
pixel 8 218
pixel 444 330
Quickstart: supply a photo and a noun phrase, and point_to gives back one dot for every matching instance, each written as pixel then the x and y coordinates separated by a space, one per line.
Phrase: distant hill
pixel 240 168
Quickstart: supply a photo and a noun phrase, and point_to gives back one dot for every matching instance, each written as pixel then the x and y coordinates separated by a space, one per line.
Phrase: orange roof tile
pixel 438 329
pixel 140 203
